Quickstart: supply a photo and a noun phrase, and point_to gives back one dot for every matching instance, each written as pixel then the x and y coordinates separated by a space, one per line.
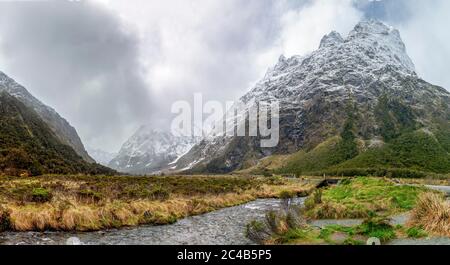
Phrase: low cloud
pixel 77 58
pixel 109 66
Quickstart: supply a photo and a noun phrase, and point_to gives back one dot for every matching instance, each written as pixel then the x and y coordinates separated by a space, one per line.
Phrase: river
pixel 222 227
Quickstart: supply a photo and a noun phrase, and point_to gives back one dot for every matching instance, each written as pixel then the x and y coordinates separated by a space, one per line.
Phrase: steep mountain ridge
pixel 61 128
pixel 28 145
pixel 365 82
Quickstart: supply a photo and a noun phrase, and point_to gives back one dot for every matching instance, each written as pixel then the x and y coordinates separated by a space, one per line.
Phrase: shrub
pixel 41 195
pixel 160 193
pixel 257 231
pixel 278 225
pixel 5 221
pixel 90 195
pixel 317 195
pixel 285 194
pixel 275 180
pixel 374 172
pixel 267 173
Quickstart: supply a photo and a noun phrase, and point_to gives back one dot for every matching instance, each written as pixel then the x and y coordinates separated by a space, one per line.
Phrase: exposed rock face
pixel 150 151
pixel 316 90
pixel 61 128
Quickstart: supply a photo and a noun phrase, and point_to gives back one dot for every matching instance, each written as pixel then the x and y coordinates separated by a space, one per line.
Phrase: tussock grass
pixel 290 227
pixel 81 203
pixel 432 213
pixel 359 197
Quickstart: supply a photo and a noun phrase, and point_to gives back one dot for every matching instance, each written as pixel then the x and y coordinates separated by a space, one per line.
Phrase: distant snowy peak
pixel 155 142
pixel 149 151
pixel 100 156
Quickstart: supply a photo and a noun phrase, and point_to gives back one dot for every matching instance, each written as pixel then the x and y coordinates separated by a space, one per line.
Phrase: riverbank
pixel 91 203
pixel 222 227
pixel 358 209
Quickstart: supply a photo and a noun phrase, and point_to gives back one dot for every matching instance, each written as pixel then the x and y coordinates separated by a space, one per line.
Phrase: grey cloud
pixel 77 58
pixel 84 61
pixel 231 38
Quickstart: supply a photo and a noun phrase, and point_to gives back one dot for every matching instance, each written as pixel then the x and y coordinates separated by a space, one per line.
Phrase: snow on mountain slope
pixel 314 91
pixel 100 156
pixel 150 151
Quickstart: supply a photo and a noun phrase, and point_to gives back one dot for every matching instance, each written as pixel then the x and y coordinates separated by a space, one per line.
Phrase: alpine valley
pixel 364 141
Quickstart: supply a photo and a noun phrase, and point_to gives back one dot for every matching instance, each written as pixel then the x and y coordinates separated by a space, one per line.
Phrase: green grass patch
pixel 359 197
pixel 41 195
pixel 416 232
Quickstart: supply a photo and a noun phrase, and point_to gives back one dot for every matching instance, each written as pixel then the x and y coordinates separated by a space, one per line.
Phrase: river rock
pixel 74 241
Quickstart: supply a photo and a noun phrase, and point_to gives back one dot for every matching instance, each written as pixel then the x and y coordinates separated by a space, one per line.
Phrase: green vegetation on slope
pixel 394 118
pixel 414 154
pixel 28 146
pixel 329 153
pixel 417 150
pixel 323 156
pixel 409 149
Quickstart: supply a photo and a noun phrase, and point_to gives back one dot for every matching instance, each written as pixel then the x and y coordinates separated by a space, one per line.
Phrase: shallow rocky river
pixel 222 227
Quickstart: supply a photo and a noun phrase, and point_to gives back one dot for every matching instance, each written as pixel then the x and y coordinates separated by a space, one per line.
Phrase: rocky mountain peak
pixel 376 36
pixel 314 92
pixel 332 38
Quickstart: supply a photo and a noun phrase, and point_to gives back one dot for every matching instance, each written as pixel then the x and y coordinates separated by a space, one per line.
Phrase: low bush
pixel 41 195
pixel 375 172
pixel 89 196
pixel 5 221
pixel 279 226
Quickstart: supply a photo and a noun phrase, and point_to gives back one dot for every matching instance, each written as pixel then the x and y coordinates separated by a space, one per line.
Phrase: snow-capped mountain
pixel 100 156
pixel 60 127
pixel 151 151
pixel 314 92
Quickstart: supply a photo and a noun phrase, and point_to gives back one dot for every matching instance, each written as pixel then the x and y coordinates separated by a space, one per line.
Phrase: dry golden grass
pixel 66 211
pixel 432 213
pixel 426 181
pixel 270 163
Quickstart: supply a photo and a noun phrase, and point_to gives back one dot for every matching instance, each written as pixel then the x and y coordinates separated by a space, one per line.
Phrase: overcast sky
pixel 109 66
